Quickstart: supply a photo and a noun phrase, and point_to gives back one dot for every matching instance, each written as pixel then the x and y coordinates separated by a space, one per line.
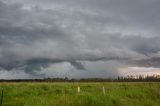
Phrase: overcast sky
pixel 79 38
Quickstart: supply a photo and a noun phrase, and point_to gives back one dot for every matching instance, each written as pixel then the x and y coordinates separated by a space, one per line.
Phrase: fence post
pixel 78 89
pixel 1 98
pixel 103 90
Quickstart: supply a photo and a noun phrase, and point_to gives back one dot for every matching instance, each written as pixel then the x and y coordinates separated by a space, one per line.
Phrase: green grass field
pixel 65 94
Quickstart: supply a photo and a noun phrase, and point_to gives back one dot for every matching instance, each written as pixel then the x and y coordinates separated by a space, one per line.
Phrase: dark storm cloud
pixel 153 62
pixel 20 24
pixel 36 64
pixel 78 34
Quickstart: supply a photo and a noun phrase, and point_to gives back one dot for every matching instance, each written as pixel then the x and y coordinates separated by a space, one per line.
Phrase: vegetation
pixel 130 78
pixel 91 94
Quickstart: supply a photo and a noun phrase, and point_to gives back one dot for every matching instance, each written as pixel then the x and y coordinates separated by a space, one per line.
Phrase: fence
pixel 1 99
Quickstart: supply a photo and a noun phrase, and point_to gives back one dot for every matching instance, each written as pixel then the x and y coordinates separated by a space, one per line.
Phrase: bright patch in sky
pixel 139 71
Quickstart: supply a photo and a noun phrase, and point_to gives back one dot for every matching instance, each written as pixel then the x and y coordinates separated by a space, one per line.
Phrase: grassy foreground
pixel 91 94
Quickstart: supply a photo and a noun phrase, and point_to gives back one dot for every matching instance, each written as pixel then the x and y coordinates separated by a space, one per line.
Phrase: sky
pixel 79 38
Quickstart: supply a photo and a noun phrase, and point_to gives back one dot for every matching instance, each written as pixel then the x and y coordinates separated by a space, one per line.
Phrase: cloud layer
pixel 77 38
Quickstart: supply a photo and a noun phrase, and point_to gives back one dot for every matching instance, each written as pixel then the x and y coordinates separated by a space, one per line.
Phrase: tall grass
pixel 91 94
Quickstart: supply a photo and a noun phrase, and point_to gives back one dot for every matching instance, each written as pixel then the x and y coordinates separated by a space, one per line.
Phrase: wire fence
pixel 1 98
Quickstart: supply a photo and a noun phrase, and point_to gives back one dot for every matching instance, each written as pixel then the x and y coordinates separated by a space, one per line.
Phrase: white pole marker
pixel 103 90
pixel 79 89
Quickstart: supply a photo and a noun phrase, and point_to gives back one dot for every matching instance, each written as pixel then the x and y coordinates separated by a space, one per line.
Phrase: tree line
pixel 129 78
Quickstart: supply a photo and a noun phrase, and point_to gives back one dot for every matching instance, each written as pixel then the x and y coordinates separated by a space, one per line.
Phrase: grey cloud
pixel 143 14
pixel 77 65
pixel 153 62
pixel 34 35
